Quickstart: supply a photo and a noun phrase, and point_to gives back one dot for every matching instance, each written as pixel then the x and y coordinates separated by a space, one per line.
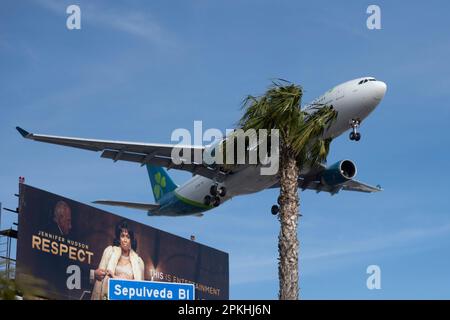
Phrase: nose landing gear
pixel 354 135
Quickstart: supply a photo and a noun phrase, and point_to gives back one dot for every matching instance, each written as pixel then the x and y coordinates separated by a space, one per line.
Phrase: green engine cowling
pixel 338 173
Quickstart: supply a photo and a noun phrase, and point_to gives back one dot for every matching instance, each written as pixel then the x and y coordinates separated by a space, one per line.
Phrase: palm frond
pixel 300 131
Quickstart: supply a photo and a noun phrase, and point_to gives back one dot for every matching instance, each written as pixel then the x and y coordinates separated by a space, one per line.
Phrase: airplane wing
pixel 143 153
pixel 133 205
pixel 350 185
pixel 313 181
pixel 353 185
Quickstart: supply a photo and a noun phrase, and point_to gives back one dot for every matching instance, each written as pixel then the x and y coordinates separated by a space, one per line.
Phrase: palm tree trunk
pixel 288 217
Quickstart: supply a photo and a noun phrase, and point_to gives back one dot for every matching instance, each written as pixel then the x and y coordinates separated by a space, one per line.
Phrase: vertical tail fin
pixel 161 181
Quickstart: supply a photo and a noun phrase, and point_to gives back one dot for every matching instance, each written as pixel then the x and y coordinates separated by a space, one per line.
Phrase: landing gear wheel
pixel 213 190
pixel 222 191
pixel 352 136
pixel 216 201
pixel 275 209
pixel 207 200
pixel 357 136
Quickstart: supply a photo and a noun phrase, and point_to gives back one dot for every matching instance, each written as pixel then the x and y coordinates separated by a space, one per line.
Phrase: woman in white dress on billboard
pixel 119 261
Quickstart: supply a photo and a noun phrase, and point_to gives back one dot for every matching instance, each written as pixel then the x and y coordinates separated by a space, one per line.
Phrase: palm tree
pixel 301 145
pixel 28 287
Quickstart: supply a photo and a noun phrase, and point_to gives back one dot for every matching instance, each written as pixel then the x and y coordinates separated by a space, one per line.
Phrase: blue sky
pixel 137 70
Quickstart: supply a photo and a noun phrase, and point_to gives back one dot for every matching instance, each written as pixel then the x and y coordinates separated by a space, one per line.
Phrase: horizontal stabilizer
pixel 133 205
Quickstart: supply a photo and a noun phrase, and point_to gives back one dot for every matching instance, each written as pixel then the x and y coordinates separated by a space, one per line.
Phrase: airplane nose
pixel 380 89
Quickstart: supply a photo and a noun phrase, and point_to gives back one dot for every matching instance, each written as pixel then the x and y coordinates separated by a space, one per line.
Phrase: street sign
pixel 120 289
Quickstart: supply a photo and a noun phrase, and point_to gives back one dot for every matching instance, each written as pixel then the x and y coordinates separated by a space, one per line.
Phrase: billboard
pixel 76 249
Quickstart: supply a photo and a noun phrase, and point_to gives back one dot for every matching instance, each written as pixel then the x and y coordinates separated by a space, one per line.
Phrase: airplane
pixel 353 100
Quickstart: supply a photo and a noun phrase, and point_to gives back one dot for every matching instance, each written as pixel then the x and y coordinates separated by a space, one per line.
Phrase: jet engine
pixel 338 173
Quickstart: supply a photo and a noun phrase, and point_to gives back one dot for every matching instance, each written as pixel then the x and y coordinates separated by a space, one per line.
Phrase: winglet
pixel 23 132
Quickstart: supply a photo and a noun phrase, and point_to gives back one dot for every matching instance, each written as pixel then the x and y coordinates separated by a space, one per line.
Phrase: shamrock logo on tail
pixel 159 185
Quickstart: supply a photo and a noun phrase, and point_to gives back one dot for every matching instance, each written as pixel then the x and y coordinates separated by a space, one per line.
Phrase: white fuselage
pixel 353 100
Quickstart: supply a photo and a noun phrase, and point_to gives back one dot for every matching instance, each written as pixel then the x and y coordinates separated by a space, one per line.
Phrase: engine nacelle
pixel 338 173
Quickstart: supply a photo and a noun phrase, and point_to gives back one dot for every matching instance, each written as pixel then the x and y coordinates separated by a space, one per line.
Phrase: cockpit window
pixel 366 80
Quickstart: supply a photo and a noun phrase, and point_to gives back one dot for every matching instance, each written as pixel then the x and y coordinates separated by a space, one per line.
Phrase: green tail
pixel 161 181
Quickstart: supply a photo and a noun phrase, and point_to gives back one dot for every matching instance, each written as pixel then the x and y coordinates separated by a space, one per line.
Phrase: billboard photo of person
pixel 62 217
pixel 118 261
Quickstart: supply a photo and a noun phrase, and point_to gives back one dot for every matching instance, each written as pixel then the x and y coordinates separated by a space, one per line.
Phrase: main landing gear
pixel 214 197
pixel 276 208
pixel 208 200
pixel 354 135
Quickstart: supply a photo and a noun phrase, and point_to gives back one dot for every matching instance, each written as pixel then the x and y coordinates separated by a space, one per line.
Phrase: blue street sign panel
pixel 119 289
